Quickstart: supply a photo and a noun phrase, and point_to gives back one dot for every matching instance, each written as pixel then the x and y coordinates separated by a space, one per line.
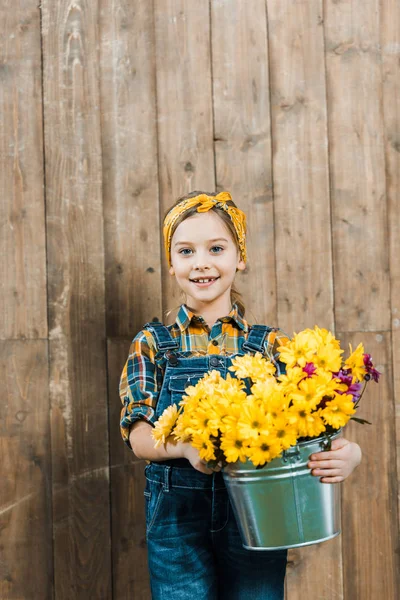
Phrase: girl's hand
pixel 336 464
pixel 192 455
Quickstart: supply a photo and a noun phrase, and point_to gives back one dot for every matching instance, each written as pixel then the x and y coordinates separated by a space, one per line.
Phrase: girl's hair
pixel 236 296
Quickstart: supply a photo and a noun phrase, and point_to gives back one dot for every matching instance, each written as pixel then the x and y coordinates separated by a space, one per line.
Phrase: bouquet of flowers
pixel 318 394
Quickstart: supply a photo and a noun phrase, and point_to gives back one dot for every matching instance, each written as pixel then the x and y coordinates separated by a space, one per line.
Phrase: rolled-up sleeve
pixel 138 388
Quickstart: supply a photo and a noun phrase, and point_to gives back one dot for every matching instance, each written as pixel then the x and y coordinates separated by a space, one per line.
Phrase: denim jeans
pixel 194 547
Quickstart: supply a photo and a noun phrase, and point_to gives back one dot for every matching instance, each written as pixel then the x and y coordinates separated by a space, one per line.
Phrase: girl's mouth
pixel 204 281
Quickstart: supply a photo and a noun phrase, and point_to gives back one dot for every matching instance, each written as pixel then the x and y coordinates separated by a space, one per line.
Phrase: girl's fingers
pixel 326 455
pixel 325 464
pixel 327 472
pixel 336 479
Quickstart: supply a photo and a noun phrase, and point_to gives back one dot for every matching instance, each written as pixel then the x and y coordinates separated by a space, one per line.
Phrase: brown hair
pixel 236 296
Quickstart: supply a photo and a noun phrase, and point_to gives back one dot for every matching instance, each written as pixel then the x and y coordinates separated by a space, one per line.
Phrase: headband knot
pixel 205 203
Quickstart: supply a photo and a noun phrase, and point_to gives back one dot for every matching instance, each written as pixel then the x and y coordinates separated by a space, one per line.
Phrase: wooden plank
pixel 22 230
pixel 243 140
pixel 315 572
pixel 184 106
pixel 25 491
pixel 369 516
pixel 78 390
pixel 300 164
pixel 359 223
pixel 129 550
pixel 130 171
pixel 390 44
pixel 302 221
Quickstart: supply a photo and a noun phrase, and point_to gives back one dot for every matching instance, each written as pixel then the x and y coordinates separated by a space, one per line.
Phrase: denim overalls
pixel 194 546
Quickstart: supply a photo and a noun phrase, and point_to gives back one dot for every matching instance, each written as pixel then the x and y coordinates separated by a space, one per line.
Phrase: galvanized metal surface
pixel 282 505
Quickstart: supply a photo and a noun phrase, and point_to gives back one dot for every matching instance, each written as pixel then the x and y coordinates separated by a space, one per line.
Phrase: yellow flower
pixel 263 449
pixel 310 391
pixel 290 380
pixel 323 336
pixel 234 446
pixel 338 411
pixel 204 445
pixel 164 426
pixel 299 351
pixel 252 421
pixel 355 362
pixel 328 357
pixel 205 421
pixel 255 367
pixel 180 432
pixel 308 423
pixel 284 432
pixel 276 403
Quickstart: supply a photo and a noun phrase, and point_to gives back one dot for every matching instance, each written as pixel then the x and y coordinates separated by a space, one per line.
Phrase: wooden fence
pixel 109 111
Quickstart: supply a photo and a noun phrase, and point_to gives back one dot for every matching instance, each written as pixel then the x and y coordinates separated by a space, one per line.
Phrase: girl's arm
pixel 142 445
pixel 336 464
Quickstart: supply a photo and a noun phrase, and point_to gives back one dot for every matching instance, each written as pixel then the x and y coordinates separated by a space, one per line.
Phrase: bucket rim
pixel 309 543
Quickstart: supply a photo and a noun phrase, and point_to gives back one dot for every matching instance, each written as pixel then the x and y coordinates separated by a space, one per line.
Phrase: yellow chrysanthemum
pixel 204 445
pixel 338 411
pixel 205 421
pixel 180 430
pixel 328 357
pixel 291 378
pixel 252 421
pixel 164 425
pixel 255 367
pixel 284 432
pixel 264 449
pixel 355 362
pixel 308 423
pixel 323 336
pixel 234 446
pixel 309 390
pixel 299 351
pixel 329 383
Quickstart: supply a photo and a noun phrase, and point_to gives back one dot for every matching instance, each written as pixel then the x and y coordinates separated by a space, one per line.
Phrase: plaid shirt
pixel 143 373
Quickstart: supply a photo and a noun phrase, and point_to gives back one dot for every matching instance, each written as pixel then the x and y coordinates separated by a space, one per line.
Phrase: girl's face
pixel 204 260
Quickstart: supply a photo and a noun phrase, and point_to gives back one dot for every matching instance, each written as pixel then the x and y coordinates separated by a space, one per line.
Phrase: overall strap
pixel 164 340
pixel 256 338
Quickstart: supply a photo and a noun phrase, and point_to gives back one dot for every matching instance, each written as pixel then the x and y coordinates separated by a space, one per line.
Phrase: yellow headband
pixel 206 203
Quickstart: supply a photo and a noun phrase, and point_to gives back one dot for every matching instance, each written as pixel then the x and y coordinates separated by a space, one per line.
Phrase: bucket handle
pixel 292 452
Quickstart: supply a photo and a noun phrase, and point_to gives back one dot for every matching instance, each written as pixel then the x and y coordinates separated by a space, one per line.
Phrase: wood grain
pixel 26 564
pixel 390 44
pixel 22 230
pixel 79 423
pixel 184 108
pixel 243 140
pixel 129 162
pixel 369 500
pixel 315 572
pixel 129 550
pixel 357 162
pixel 300 164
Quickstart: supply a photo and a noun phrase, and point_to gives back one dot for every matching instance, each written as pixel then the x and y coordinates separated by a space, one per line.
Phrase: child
pixel 194 546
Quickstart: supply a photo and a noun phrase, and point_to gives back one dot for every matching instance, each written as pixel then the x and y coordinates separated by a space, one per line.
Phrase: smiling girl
pixel 194 546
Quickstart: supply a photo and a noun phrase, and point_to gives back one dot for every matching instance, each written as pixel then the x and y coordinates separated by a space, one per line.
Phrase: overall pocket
pixel 178 384
pixel 153 495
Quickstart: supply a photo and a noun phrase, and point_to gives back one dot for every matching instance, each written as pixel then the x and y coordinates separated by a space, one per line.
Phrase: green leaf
pixel 362 421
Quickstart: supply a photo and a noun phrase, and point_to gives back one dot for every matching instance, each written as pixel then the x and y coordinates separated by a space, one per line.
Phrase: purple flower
pixel 371 371
pixel 310 369
pixel 352 388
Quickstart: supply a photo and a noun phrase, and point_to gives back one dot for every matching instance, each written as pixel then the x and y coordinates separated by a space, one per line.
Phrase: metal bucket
pixel 282 505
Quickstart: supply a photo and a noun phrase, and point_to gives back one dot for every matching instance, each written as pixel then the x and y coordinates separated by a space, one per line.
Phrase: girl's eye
pixel 216 249
pixel 185 251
